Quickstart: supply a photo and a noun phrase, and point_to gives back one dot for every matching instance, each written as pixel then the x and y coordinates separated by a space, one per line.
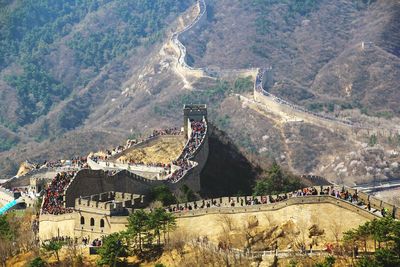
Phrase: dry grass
pixel 164 151
pixel 304 59
pixel 292 225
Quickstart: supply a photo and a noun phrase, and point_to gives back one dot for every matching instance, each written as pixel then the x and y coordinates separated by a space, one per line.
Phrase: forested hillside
pixel 79 76
pixel 51 49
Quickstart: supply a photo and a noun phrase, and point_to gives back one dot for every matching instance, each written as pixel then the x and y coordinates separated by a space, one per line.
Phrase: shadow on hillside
pixel 227 171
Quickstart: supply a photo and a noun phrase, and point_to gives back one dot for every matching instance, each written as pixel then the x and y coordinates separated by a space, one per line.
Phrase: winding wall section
pixel 180 49
pixel 89 182
pixel 278 104
pixel 260 94
pixel 68 224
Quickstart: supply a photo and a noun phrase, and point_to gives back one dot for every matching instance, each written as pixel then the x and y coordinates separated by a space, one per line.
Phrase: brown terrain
pixel 317 62
pixel 163 151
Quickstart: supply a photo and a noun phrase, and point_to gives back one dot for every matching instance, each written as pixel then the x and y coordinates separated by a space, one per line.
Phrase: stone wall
pixel 5 197
pixel 377 204
pixel 111 224
pixel 272 105
pixel 182 67
pixel 193 112
pixel 56 225
pixel 329 217
pixel 90 182
pixel 110 203
pixel 148 172
pixel 92 224
pixel 280 106
pixel 226 209
pixel 70 224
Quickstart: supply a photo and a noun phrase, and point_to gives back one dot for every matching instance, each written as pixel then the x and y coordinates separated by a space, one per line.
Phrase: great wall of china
pixel 183 68
pixel 100 178
pixel 93 206
pixel 275 103
pixel 115 179
pixel 263 97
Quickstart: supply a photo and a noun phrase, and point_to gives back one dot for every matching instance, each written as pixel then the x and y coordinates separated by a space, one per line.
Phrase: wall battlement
pixel 109 201
pixel 96 224
pixel 96 181
pixel 197 112
pixel 278 205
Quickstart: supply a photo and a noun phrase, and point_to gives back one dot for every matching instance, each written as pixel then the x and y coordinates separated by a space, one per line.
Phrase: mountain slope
pixel 60 51
pixel 305 42
pixel 308 44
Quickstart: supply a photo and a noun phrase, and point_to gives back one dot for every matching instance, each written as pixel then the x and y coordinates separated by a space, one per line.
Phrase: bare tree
pixel 227 223
pixel 74 254
pixel 25 240
pixel 301 238
pixel 336 229
pixel 5 251
pixel 178 240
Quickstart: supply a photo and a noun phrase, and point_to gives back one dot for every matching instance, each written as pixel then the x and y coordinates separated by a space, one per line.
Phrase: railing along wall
pixel 278 205
pixel 258 88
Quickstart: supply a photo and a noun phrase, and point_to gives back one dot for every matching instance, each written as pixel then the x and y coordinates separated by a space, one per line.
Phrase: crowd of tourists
pixel 85 241
pixel 194 142
pixel 96 243
pixel 97 158
pixel 78 162
pixel 197 136
pixel 184 165
pixel 53 198
pixel 342 194
pixel 132 162
pixel 168 131
pixel 75 162
pixel 250 201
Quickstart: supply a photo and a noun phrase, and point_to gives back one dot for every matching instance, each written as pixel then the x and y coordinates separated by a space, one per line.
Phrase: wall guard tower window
pixel 101 223
pixel 91 222
pixel 82 220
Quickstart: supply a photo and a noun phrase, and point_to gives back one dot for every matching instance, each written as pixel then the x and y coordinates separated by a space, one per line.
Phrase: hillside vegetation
pixel 102 71
pixel 314 48
pixel 35 36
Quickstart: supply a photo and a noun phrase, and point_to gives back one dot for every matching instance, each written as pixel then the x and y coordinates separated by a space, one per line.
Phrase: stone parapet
pixel 271 103
pixel 108 202
pixel 279 205
pixel 71 225
pixel 56 218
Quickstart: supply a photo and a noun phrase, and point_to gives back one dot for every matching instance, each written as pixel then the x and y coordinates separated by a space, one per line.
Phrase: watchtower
pixel 196 112
pixel 36 184
pixel 367 45
pixel 268 78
